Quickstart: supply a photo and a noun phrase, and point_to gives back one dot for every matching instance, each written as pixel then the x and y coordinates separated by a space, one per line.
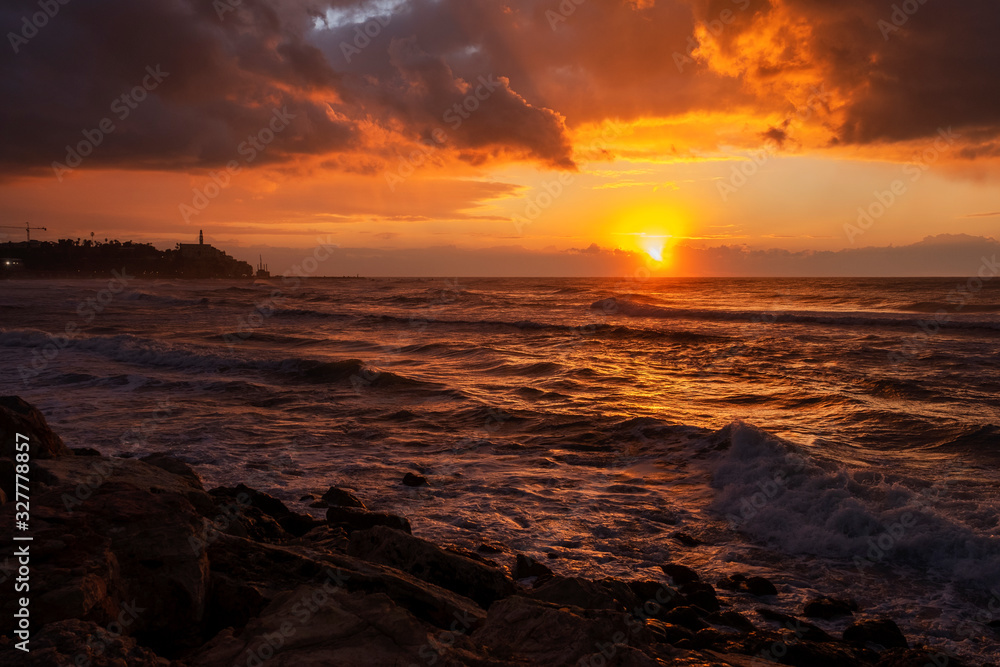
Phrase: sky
pixel 531 137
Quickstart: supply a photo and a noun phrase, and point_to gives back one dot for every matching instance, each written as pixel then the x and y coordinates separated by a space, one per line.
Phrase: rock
pixel 827 608
pixel 731 619
pixel 475 580
pixel 656 595
pixel 488 548
pixel 76 642
pixel 335 497
pixel 806 653
pixel 409 479
pixel 84 451
pixel 532 632
pixel 668 633
pixel 122 542
pixel 680 574
pixel 802 629
pixel 351 519
pixel 526 566
pixel 707 638
pixel 3 497
pixel 271 570
pixel 329 627
pixel 733 582
pixel 883 632
pixel 608 594
pixel 687 617
pixel 17 416
pixel 174 465
pixel 918 657
pixel 686 539
pixel 760 587
pixel 700 594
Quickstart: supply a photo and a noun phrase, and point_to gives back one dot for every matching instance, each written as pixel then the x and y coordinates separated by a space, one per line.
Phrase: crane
pixel 27 229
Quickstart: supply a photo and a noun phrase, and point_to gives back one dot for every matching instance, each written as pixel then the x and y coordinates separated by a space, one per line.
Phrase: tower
pixel 201 237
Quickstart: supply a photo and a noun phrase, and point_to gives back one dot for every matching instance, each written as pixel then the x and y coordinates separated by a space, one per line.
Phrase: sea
pixel 837 436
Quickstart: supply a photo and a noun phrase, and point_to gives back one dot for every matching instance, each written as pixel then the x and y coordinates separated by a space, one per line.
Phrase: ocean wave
pixel 130 349
pixel 774 492
pixel 615 306
pixel 935 306
pixel 163 299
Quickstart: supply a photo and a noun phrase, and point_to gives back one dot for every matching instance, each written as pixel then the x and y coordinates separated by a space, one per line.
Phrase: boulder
pixel 533 632
pixel 759 586
pixel 17 416
pixel 120 542
pixel 335 497
pixel 609 594
pixel 882 632
pixel 351 519
pixel 700 594
pixel 525 566
pixel 409 479
pixel 482 583
pixel 260 512
pixel 76 642
pixel 680 574
pixel 828 608
pixel 731 619
pixel 313 626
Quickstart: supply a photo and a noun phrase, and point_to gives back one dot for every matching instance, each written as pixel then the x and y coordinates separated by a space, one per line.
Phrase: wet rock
pixel 680 574
pixel 261 516
pixel 331 627
pixel 827 608
pixel 918 657
pixel 731 619
pixel 607 594
pixel 656 595
pixel 687 617
pixel 3 497
pixel 802 629
pixel 489 548
pixel 351 519
pixel 668 633
pixel 733 582
pixel 84 451
pixel 883 632
pixel 174 465
pixel 409 479
pixel 76 642
pixel 525 566
pixel 702 595
pixel 760 587
pixel 122 544
pixel 686 539
pixel 806 653
pixel 539 633
pixel 17 416
pixel 335 497
pixel 475 580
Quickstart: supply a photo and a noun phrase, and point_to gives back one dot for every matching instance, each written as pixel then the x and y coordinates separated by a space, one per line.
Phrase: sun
pixel 651 229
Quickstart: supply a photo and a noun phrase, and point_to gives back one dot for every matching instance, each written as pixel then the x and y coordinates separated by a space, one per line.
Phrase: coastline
pixel 133 560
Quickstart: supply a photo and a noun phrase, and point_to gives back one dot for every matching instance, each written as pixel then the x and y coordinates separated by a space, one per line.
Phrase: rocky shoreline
pixel 133 562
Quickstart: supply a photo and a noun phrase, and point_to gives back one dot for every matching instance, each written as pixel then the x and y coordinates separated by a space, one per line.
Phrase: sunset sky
pixel 587 136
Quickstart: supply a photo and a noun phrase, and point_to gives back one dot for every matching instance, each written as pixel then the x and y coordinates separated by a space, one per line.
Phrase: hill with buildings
pixel 67 258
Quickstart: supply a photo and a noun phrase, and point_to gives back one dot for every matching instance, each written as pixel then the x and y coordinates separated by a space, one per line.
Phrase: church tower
pixel 201 237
